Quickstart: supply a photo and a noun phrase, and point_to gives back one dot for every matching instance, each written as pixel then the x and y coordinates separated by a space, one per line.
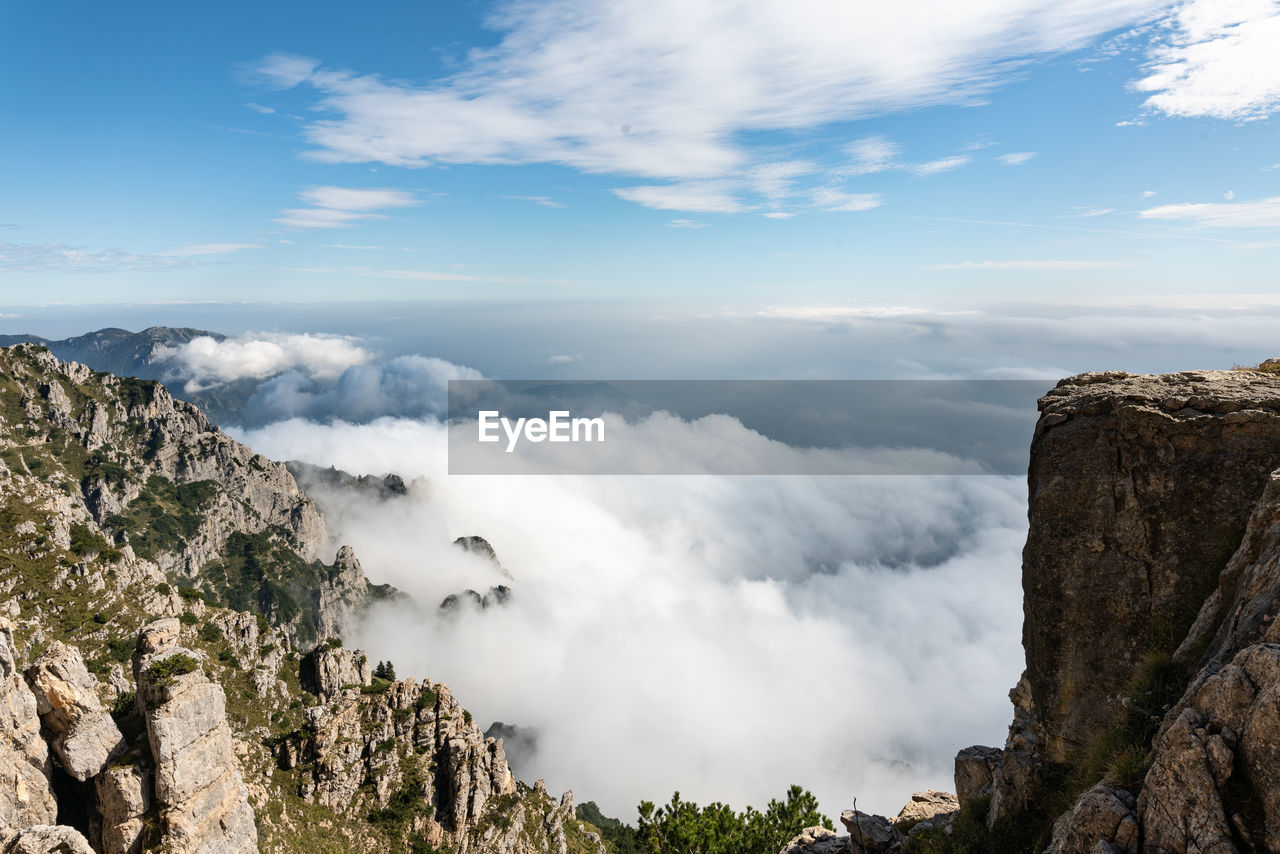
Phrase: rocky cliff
pixel 1148 717
pixel 171 670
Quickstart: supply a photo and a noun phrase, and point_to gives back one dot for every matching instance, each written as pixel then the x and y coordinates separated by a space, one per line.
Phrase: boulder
pixel 975 768
pixel 84 737
pixel 49 839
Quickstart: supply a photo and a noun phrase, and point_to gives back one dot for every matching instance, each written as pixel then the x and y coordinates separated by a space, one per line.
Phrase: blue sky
pixel 832 154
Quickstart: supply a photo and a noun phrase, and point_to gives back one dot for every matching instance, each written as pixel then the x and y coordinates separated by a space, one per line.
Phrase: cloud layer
pixel 664 632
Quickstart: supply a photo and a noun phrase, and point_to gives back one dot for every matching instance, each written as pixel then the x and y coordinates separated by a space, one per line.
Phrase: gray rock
pixel 26 796
pixel 1103 816
pixel 1138 487
pixel 817 840
pixel 975 768
pixel 871 833
pixel 928 804
pixel 124 796
pixel 84 735
pixel 197 778
pixel 49 839
pixel 327 671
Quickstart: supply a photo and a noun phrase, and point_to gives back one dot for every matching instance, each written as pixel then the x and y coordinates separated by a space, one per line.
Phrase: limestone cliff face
pixel 26 795
pixel 166 492
pixel 1154 506
pixel 1140 488
pixel 197 781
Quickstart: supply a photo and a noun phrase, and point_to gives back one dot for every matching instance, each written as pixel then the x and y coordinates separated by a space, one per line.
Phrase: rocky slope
pixel 171 670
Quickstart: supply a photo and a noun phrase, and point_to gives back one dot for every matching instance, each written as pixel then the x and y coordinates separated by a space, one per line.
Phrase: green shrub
pixel 121 649
pixel 188 618
pixel 210 633
pixel 163 671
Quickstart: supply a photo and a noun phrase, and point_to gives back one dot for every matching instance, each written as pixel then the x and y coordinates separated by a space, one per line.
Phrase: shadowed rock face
pixel 1140 488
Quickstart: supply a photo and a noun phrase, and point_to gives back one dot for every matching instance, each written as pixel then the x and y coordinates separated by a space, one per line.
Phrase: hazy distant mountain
pixel 130 354
pixel 117 351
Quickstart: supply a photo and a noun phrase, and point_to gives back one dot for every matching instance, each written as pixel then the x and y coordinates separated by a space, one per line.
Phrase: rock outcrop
pixel 26 796
pixel 1140 487
pixel 49 839
pixel 197 780
pixel 84 735
pixel 327 670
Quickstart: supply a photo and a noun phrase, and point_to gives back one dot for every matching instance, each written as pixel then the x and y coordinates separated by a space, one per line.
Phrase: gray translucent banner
pixel 741 427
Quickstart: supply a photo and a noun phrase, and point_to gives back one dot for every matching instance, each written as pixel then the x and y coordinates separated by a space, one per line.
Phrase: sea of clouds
pixel 720 636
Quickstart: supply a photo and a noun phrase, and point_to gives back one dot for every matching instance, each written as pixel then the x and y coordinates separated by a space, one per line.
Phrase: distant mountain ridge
pixel 117 351
pixel 132 354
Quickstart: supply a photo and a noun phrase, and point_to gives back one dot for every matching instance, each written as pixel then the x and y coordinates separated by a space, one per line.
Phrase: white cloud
pixel 1216 59
pixel 340 207
pixel 1146 194
pixel 1229 195
pixel 685 223
pixel 353 246
pixel 779 214
pixel 212 249
pixel 667 90
pixel 1016 158
pixel 564 359
pixel 544 201
pixel 61 258
pixel 1086 213
pixel 258 108
pixel 695 197
pixel 872 154
pixel 205 362
pixel 1030 265
pixel 936 167
pixel 831 199
pixel 353 199
pixel 1263 213
pixel 710 593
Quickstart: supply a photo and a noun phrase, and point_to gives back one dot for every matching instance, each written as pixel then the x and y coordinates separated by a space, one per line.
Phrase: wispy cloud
pixel 831 199
pixel 258 108
pixel 212 249
pixel 340 207
pixel 61 258
pixel 544 201
pixel 597 88
pixel 1216 59
pixel 937 167
pixel 1016 158
pixel 873 154
pixel 430 276
pixel 1263 213
pixel 353 246
pixel 695 197
pixel 685 223
pixel 1030 265
pixel 1085 213
pixel 564 359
